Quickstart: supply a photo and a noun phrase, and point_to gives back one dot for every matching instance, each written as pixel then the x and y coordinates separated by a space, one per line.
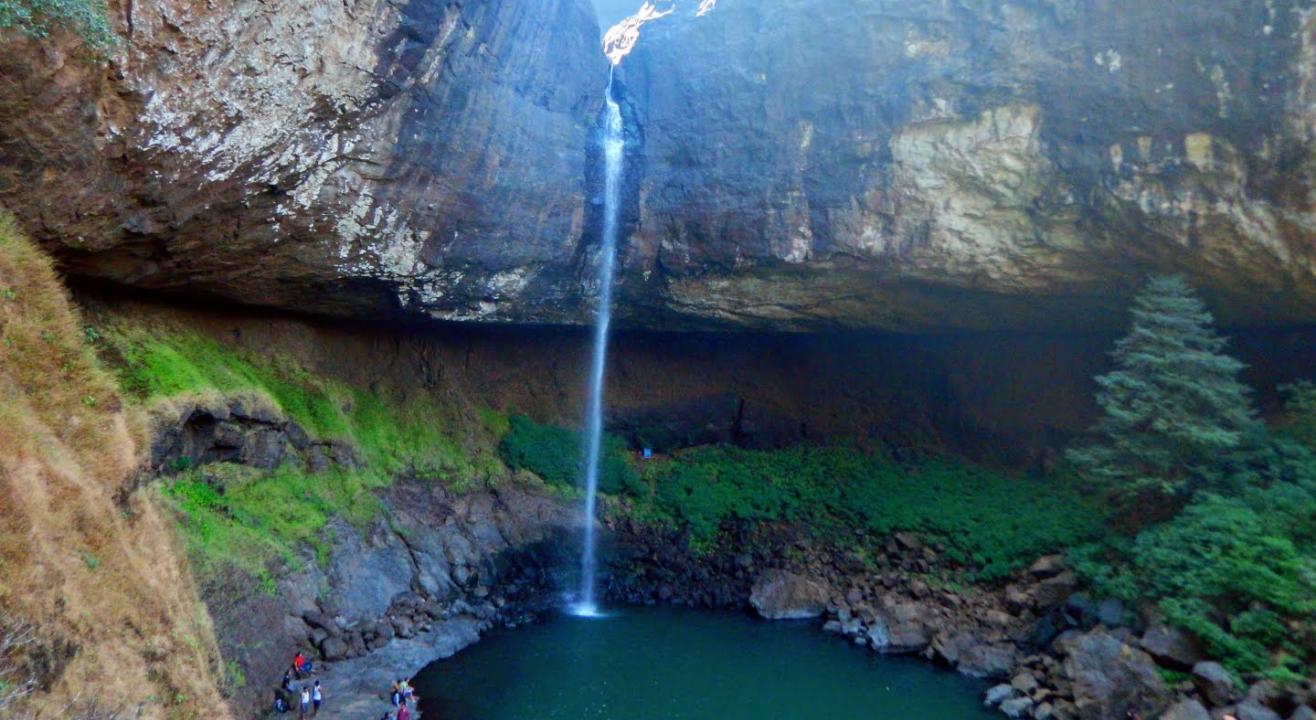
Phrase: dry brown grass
pixel 120 625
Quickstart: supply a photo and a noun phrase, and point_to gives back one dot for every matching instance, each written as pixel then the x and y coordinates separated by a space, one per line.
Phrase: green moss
pixel 256 521
pixel 393 435
pixel 232 515
pixel 988 521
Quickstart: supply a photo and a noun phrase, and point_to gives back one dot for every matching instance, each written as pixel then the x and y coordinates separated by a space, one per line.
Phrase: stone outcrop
pixel 356 159
pixel 792 164
pixel 781 595
pixel 1172 647
pixel 1111 678
pixel 928 164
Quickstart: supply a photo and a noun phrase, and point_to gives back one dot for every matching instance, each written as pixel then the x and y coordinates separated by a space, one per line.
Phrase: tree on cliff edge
pixel 1173 409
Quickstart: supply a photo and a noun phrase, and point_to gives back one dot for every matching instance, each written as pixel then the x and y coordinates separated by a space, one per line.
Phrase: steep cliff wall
pixel 912 165
pixel 341 158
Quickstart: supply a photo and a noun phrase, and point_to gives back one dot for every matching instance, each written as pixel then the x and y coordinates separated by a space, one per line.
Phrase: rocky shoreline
pixel 1053 652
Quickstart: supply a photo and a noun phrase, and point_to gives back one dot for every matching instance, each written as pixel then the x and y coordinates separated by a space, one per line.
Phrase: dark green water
pixel 664 664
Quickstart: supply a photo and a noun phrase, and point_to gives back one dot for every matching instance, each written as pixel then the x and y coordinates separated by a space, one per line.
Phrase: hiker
pixel 299 664
pixel 405 687
pixel 280 705
pixel 404 713
pixel 395 693
pixel 317 696
pixel 306 701
pixel 287 682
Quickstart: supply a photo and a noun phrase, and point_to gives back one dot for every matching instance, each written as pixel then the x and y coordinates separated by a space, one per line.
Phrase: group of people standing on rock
pixel 307 698
pixel 400 696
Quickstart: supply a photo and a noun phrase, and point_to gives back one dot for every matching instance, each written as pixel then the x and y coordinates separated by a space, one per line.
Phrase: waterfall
pixel 614 143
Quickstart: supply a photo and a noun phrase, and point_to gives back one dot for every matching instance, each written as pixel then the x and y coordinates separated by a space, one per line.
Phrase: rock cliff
pixel 792 164
pixel 928 164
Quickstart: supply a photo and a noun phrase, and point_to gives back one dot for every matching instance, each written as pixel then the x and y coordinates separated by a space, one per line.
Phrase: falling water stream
pixel 613 144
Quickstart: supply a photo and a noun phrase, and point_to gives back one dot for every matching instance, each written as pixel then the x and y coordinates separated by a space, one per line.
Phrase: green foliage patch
pixel 39 18
pixel 556 455
pixel 253 520
pixel 1228 569
pixel 988 521
pixel 1233 560
pixel 394 435
pixel 238 516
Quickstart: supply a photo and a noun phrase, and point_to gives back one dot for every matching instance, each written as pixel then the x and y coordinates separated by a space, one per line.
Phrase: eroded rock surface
pixel 792 164
pixel 781 595
pixel 928 164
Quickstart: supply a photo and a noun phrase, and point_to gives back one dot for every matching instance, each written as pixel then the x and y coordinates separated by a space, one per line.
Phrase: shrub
pixel 1232 570
pixel 556 455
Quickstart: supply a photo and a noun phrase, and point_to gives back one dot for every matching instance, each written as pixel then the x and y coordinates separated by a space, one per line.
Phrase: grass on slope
pixel 556 455
pixel 248 519
pixel 393 435
pixel 258 518
pixel 103 579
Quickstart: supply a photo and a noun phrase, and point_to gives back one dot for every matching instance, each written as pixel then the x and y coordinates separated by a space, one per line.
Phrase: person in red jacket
pixel 299 664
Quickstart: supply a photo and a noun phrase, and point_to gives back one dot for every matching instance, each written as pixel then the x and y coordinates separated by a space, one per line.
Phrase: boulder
pixel 334 648
pixel 1024 682
pixel 1055 590
pixel 1304 712
pixel 1110 612
pixel 1213 682
pixel 1253 709
pixel 1172 647
pixel 998 694
pixel 899 626
pixel 782 595
pixel 1110 678
pixel 1048 566
pixel 993 661
pixel 1017 707
pixel 1186 710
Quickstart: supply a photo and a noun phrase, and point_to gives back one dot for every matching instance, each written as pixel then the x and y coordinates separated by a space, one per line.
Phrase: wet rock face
pixel 792 164
pixel 926 164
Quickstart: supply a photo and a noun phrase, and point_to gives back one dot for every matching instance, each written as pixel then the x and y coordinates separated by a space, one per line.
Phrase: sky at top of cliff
pixel 624 30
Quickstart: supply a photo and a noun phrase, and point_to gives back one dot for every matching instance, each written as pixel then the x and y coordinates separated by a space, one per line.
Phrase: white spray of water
pixel 614 143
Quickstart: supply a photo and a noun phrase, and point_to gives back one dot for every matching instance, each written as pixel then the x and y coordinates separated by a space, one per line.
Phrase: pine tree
pixel 1173 409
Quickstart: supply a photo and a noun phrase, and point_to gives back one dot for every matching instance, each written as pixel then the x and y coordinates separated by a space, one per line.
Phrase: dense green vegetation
pixel 554 454
pixel 246 518
pixel 1236 566
pixel 39 18
pixel 988 521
